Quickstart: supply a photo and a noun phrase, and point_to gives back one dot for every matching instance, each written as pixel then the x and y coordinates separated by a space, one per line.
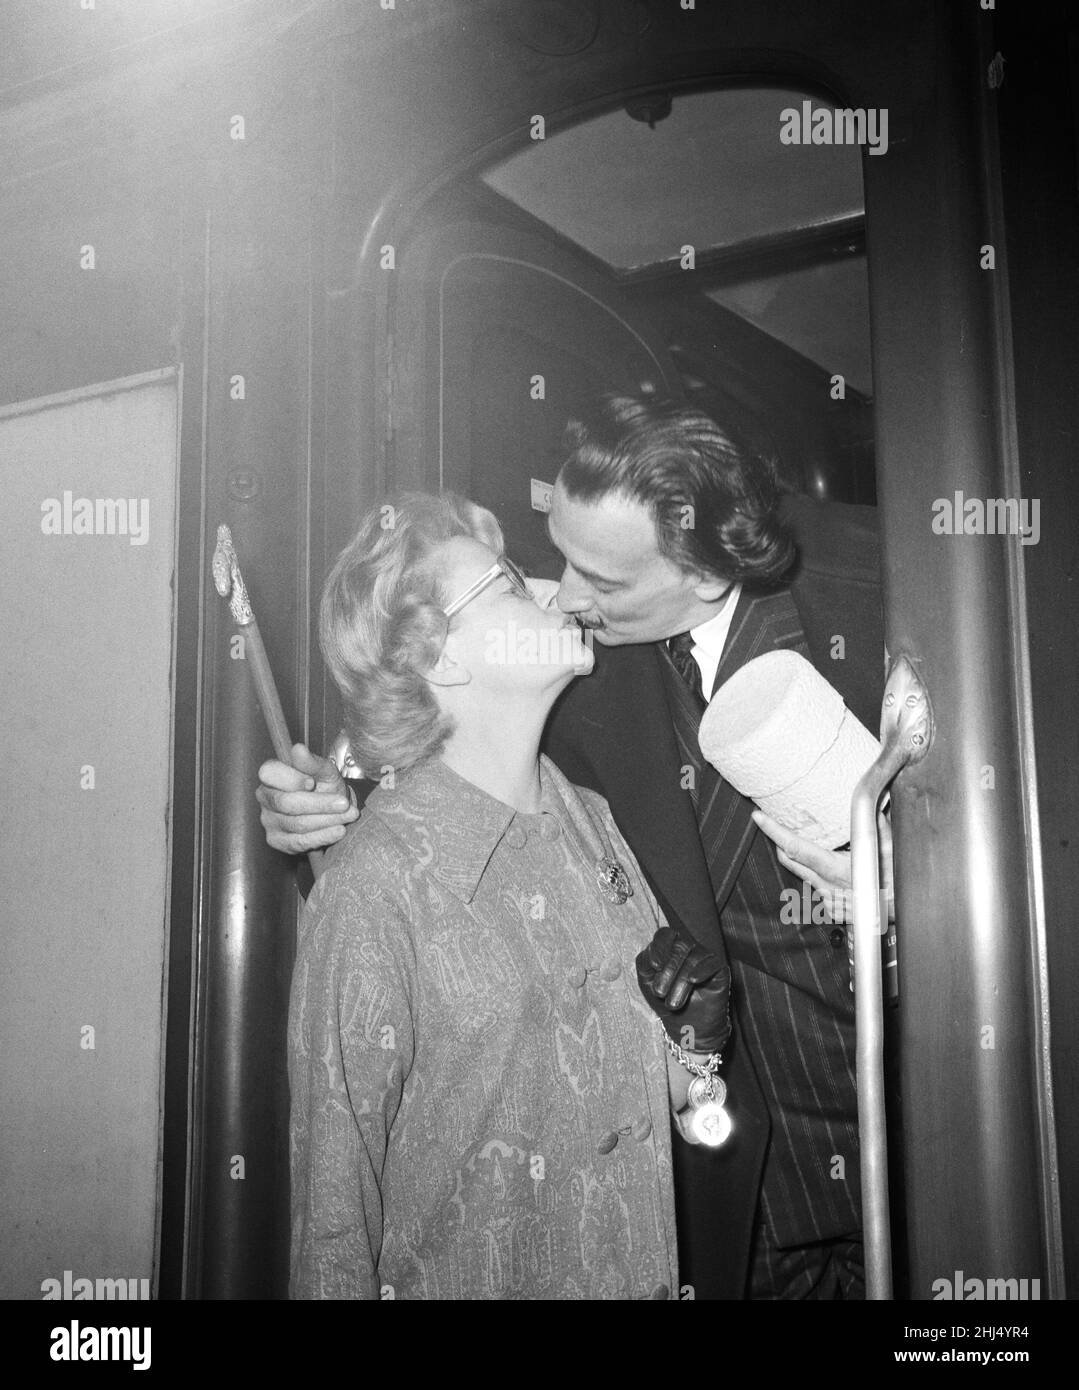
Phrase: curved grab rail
pixel 906 733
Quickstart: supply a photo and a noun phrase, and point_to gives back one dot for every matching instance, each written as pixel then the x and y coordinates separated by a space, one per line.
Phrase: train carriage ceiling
pixel 710 172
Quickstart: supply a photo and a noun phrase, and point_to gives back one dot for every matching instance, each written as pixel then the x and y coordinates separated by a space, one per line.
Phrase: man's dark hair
pixel 714 505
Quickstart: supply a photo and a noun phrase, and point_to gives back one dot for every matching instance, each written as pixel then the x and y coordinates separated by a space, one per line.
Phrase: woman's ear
pixel 447 670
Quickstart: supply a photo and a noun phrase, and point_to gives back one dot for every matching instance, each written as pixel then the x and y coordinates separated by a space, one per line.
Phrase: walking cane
pixel 229 583
pixel 906 733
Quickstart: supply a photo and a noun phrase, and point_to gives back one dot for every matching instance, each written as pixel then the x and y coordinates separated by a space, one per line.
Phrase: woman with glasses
pixel 480 1099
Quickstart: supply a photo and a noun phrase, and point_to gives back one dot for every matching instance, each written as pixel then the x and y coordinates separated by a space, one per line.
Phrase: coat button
pixel 549 827
pixel 838 937
pixel 660 1291
pixel 607 1143
pixel 576 976
pixel 610 969
pixel 642 1128
pixel 515 837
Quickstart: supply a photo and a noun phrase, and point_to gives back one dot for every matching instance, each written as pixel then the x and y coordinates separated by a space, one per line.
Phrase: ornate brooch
pixel 612 879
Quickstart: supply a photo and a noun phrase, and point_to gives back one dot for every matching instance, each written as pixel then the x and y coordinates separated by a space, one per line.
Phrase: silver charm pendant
pixel 710 1124
pixel 612 879
pixel 706 1088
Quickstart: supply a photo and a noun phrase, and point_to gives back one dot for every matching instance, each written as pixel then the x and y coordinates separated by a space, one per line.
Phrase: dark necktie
pixel 681 650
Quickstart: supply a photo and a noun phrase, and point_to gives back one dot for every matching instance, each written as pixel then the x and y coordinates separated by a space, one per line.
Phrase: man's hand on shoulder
pixel 305 806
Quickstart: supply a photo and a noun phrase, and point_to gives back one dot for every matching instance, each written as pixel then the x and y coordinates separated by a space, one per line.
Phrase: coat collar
pixel 448 825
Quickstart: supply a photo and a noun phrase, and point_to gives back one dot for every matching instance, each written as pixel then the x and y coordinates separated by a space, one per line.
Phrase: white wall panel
pixel 86 640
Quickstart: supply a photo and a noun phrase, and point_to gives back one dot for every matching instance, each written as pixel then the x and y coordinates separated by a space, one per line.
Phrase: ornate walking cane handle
pixel 229 583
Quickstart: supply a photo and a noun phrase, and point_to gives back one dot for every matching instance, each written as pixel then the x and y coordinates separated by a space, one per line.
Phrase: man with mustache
pixel 681 558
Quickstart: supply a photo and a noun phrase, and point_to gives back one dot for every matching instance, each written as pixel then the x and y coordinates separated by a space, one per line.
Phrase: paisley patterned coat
pixel 479 1093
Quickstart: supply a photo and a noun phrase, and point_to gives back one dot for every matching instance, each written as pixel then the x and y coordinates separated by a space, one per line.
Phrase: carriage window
pixel 821 311
pixel 734 218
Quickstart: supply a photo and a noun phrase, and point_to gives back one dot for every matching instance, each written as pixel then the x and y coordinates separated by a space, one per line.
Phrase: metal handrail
pixel 906 733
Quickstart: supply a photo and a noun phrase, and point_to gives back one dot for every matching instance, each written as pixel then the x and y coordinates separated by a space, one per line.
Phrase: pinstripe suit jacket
pixel 790 1063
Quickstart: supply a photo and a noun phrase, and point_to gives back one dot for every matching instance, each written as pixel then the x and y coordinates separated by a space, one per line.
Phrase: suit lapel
pixel 619 723
pixel 763 622
pixel 615 731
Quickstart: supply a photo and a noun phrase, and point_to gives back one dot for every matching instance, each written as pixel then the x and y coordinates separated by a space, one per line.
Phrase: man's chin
pixel 606 638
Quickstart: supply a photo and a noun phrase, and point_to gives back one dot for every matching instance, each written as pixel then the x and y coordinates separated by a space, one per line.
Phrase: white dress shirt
pixel 710 638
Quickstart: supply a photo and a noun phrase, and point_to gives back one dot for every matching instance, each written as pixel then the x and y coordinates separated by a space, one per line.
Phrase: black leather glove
pixel 688 987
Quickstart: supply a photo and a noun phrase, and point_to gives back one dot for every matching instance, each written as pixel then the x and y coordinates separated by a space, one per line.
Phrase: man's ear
pixel 709 588
pixel 446 670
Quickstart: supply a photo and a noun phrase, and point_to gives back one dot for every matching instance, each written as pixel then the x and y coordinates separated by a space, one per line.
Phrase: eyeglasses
pixel 502 568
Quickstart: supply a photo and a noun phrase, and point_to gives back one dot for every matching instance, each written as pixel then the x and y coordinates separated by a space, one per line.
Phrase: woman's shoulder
pixel 366 867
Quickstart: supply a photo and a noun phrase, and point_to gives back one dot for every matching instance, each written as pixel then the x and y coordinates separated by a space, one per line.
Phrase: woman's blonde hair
pixel 381 624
